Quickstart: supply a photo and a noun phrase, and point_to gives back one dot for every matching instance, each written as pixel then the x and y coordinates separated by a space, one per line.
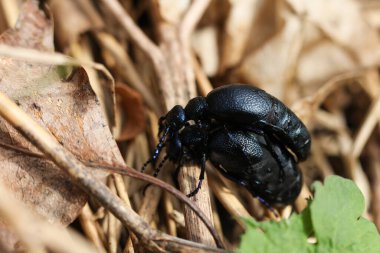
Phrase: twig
pixel 135 33
pixel 188 177
pixel 89 228
pixel 227 198
pixel 195 229
pixel 21 150
pixel 173 66
pixel 128 70
pixel 203 82
pixel 78 172
pixel 130 172
pixel 367 127
pixel 306 107
pixel 192 17
pixel 146 45
pixel 153 239
pixel 36 234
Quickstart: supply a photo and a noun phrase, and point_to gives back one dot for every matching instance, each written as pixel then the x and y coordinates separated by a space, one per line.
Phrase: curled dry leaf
pixel 83 18
pixel 237 31
pixel 72 37
pixel 344 23
pixel 130 111
pixel 205 44
pixel 323 60
pixel 271 65
pixel 65 106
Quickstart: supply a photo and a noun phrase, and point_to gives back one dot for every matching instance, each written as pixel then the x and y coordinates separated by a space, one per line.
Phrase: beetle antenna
pixel 157 151
pixel 145 165
pixel 157 170
pixel 274 211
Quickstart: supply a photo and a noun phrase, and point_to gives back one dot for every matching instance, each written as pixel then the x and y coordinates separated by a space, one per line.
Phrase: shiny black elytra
pixel 245 133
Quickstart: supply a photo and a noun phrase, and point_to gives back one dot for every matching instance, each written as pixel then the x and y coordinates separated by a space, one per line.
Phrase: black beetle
pixel 249 135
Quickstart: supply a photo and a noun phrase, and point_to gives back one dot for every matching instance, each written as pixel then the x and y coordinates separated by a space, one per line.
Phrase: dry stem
pixel 153 239
pixel 173 65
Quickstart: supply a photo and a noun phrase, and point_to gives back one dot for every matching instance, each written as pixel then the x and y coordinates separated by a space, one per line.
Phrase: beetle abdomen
pixel 243 103
pixel 245 158
pixel 235 150
pixel 247 106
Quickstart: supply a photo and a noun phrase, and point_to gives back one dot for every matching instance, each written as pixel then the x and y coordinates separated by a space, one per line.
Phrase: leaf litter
pixel 66 106
pixel 319 57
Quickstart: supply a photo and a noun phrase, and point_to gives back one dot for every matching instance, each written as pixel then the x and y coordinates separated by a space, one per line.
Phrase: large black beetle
pixel 249 135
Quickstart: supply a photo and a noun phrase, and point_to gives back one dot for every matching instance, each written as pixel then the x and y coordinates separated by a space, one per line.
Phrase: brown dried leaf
pixel 205 44
pixel 322 61
pixel 371 11
pixel 269 67
pixel 238 27
pixel 343 22
pixel 130 108
pixel 67 107
pixel 83 18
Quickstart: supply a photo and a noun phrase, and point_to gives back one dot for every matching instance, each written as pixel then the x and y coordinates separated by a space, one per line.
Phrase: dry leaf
pixel 205 44
pixel 322 61
pixel 315 55
pixel 237 31
pixel 271 65
pixel 130 108
pixel 344 23
pixel 66 107
pixel 83 18
pixel 371 11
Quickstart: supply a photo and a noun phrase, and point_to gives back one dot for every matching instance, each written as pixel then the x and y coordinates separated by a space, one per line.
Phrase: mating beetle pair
pixel 245 133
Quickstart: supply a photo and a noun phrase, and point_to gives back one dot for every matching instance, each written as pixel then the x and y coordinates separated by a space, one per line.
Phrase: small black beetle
pixel 249 135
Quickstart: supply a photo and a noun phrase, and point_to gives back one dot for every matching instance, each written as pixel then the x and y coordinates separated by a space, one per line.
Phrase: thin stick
pixel 128 70
pixel 188 176
pixel 146 45
pixel 36 234
pixel 192 17
pixel 130 172
pixel 89 228
pixel 173 67
pixel 195 229
pixel 135 33
pixel 153 239
pixel 367 127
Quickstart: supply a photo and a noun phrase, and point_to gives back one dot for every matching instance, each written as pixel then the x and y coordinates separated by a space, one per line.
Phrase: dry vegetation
pixel 321 57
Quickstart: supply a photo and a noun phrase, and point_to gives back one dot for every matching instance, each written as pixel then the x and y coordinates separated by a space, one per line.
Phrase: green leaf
pixel 333 218
pixel 289 235
pixel 336 217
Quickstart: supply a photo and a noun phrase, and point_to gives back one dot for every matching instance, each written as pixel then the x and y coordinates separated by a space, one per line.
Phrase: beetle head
pixel 175 119
pixel 196 109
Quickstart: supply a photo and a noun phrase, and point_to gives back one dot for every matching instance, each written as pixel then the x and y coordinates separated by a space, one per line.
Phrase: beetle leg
pixel 157 170
pixel 300 149
pixel 201 177
pixel 273 147
pixel 267 205
pixel 145 165
pixel 157 151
